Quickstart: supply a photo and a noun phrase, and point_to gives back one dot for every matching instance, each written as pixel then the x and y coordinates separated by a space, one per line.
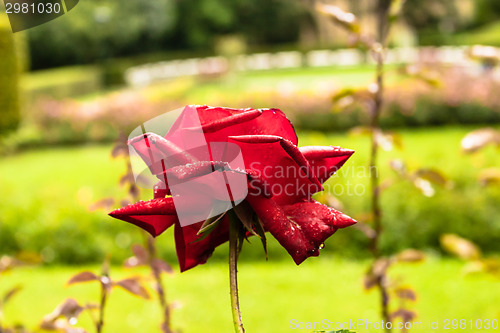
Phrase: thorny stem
pixel 105 285
pixel 233 272
pixel 151 246
pixel 382 27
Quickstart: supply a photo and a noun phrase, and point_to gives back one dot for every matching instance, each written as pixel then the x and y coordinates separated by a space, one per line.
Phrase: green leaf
pixel 210 224
pixel 395 9
pixel 432 175
pixel 342 93
pixel 259 228
pixel 242 235
pixel 245 213
pixel 208 227
pixel 346 97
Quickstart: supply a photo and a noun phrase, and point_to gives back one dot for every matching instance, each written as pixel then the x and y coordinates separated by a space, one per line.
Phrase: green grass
pixel 272 294
pixel 485 35
pixel 45 196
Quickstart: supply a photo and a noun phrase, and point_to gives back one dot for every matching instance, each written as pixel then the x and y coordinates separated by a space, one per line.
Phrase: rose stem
pixel 233 272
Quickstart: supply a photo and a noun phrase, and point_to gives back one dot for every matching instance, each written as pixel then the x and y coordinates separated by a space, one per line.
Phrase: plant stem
pixel 104 296
pixel 151 246
pixel 233 272
pixel 105 285
pixel 382 27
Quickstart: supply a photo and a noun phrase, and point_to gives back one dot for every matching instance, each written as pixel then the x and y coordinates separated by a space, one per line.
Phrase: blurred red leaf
pixel 11 293
pixel 376 272
pixel 140 258
pixel 69 309
pixel 83 277
pixel 133 286
pixel 106 204
pixel 162 266
pixel 120 149
pixel 406 293
pixel 410 255
pixel 405 315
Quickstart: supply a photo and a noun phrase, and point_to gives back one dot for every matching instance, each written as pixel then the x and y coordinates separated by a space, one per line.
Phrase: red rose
pixel 279 177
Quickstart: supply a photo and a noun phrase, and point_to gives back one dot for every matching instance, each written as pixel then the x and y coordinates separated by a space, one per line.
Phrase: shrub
pixel 9 79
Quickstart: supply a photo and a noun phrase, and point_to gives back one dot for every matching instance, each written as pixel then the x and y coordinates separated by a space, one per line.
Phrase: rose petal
pixel 270 122
pixel 325 160
pixel 285 170
pixel 191 252
pixel 300 228
pixel 154 216
pixel 159 153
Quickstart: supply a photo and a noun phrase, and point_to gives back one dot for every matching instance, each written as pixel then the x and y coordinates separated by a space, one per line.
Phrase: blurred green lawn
pixel 45 195
pixel 272 294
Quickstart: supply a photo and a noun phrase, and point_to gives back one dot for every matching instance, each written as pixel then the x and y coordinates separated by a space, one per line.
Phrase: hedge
pixel 9 79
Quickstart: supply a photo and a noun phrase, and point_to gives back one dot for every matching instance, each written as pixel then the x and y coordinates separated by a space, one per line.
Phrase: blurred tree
pixel 487 11
pixel 98 29
pixel 260 21
pixel 271 21
pixel 111 28
pixel 201 21
pixel 431 15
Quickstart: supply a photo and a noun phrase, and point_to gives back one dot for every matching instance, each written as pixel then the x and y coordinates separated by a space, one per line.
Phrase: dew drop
pixel 322 245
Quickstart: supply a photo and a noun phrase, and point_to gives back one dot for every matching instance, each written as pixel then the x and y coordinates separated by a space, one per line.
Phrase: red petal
pixel 278 163
pixel 325 160
pixel 232 120
pixel 190 252
pixel 270 122
pixel 154 216
pixel 159 153
pixel 300 228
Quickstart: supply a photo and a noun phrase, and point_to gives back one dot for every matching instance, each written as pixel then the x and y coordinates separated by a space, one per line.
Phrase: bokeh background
pixel 73 88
